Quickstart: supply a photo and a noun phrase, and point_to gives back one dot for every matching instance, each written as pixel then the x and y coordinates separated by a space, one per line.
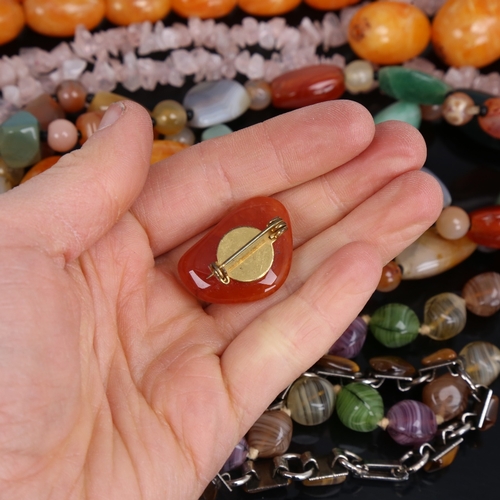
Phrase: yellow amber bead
pixel 103 100
pixel 170 117
pixel 205 9
pixel 389 32
pixel 61 17
pixel 330 4
pixel 11 20
pixel 267 7
pixel 125 12
pixel 164 149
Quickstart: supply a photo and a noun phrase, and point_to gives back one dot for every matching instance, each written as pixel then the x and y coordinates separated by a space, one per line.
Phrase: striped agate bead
pixel 311 400
pixel 482 294
pixel 394 325
pixel 411 423
pixel 445 315
pixel 271 434
pixel 481 361
pixel 350 343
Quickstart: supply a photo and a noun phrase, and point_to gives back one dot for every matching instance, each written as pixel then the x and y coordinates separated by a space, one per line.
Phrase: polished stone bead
pixel 390 278
pixel 125 12
pixel 311 400
pixel 394 325
pixel 40 167
pixel 359 76
pixel 410 85
pixel 163 149
pixel 443 462
pixel 491 414
pixel 402 111
pixel 446 193
pixel 103 100
pixel 350 343
pixel 431 112
pixel 453 223
pixel 446 396
pixel 309 85
pixel 360 407
pixel 215 131
pixel 445 316
pixel 204 9
pixel 271 434
pixel 45 109
pixel 332 363
pixel 330 4
pixel 260 94
pixel 71 95
pixel 237 457
pixel 170 117
pixel 267 7
pixel 11 20
pixel 411 423
pixel 20 140
pixel 481 361
pixel 490 122
pixel 457 108
pixel 216 102
pixel 87 124
pixel 439 357
pixel 392 365
pixel 431 254
pixel 485 226
pixel 61 17
pixel 185 136
pixel 62 135
pixel 482 294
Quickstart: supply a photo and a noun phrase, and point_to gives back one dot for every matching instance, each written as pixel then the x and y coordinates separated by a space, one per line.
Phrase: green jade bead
pixel 411 85
pixel 20 140
pixel 215 131
pixel 394 325
pixel 408 112
pixel 360 407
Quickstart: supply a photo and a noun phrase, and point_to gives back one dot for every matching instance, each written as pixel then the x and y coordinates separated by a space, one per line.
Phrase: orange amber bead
pixel 11 20
pixel 125 12
pixel 205 9
pixel 466 32
pixel 163 149
pixel 61 17
pixel 40 167
pixel 389 32
pixel 330 4
pixel 267 7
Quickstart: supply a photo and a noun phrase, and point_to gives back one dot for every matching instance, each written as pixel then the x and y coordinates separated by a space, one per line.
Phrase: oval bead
pixel 410 85
pixel 170 117
pixel 271 434
pixel 216 102
pixel 360 407
pixel 481 362
pixel 407 112
pixel 359 76
pixel 125 12
pixel 71 95
pixel 490 122
pixel 237 457
pixel 391 277
pixel 87 124
pixel 411 423
pixel 431 255
pixel 446 396
pixel 164 149
pixel 11 20
pixel 309 85
pixel 103 100
pixel 260 94
pixel 267 7
pixel 332 363
pixel 438 357
pixel 40 167
pixel 482 294
pixel 204 9
pixel 45 109
pixel 311 400
pixel 394 325
pixel 445 316
pixel 453 223
pixel 446 193
pixel 350 343
pixel 392 365
pixel 485 226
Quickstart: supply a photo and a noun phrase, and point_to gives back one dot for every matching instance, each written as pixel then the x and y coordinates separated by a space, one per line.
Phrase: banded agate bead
pixel 453 223
pixel 204 9
pixel 482 294
pixel 271 434
pixel 394 325
pixel 311 400
pixel 45 109
pixel 445 316
pixel 350 343
pixel 125 12
pixel 490 122
pixel 237 457
pixel 391 277
pixel 267 7
pixel 485 226
pixel 11 20
pixel 481 361
pixel 411 423
pixel 360 407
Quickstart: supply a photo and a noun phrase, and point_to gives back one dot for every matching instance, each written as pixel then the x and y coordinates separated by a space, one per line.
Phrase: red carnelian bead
pixel 308 85
pixel 194 269
pixel 485 227
pixel 205 9
pixel 490 122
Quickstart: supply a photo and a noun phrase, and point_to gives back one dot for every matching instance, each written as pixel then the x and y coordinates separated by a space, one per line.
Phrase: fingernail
pixel 112 114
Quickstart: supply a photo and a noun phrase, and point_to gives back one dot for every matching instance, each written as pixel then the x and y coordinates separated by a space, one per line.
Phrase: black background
pixel 472 174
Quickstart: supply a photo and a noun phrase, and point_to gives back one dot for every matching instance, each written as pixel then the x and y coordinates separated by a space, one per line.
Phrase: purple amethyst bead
pixel 350 343
pixel 411 423
pixel 237 457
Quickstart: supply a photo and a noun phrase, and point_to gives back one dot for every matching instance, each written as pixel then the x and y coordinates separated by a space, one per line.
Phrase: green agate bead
pixel 360 407
pixel 394 325
pixel 411 85
pixel 403 111
pixel 20 140
pixel 215 131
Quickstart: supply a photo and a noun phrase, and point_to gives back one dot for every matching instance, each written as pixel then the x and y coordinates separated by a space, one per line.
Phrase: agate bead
pixel 392 366
pixel 453 223
pixel 185 136
pixel 267 7
pixel 482 294
pixel 394 325
pixel 359 76
pixel 350 343
pixel 125 12
pixel 456 108
pixel 481 362
pixel 360 407
pixel 62 135
pixel 445 461
pixel 391 277
pixel 11 20
pixel 271 434
pixel 490 122
pixel 237 457
pixel 71 95
pixel 204 9
pixel 215 131
pixel 431 112
pixel 103 100
pixel 163 149
pixel 445 316
pixel 260 94
pixel 331 363
pixel 485 226
pixel 170 117
pixel 411 423
pixel 45 109
pixel 311 400
pixel 87 124
pixel 40 167
pixel 440 356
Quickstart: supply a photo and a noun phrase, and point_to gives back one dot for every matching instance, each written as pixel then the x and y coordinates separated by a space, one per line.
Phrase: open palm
pixel 114 381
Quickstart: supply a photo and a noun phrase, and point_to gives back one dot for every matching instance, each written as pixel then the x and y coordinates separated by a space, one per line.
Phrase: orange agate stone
pixel 61 17
pixel 11 20
pixel 163 149
pixel 125 12
pixel 330 4
pixel 485 226
pixel 196 275
pixel 389 32
pixel 267 7
pixel 308 85
pixel 40 167
pixel 205 9
pixel 467 32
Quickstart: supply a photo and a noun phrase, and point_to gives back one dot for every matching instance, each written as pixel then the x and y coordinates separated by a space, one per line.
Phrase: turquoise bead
pixel 403 111
pixel 20 140
pixel 411 85
pixel 394 325
pixel 215 131
pixel 360 407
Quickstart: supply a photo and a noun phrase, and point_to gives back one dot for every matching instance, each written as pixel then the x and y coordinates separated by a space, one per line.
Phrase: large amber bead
pixel 125 12
pixel 267 7
pixel 11 20
pixel 466 32
pixel 330 4
pixel 389 32
pixel 205 9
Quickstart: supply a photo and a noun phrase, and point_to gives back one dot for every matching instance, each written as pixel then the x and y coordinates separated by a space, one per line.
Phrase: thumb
pixel 73 204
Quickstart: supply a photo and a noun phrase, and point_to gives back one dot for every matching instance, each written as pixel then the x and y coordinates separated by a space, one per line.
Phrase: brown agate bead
pixel 431 112
pixel 125 12
pixel 204 9
pixel 490 122
pixel 491 414
pixel 456 108
pixel 331 362
pixel 71 95
pixel 392 365
pixel 45 109
pixel 446 396
pixel 271 434
pixel 87 124
pixel 441 463
pixel 11 20
pixel 482 294
pixel 391 277
pixel 440 356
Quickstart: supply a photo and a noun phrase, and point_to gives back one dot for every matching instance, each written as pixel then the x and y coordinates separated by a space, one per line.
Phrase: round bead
pixel 360 407
pixel 185 136
pixel 394 325
pixel 170 117
pixel 350 343
pixel 311 400
pixel 40 167
pixel 445 316
pixel 453 223
pixel 431 112
pixel 271 434
pixel 389 32
pixel 71 95
pixel 87 124
pixel 11 20
pixel 260 94
pixel 456 108
pixel 391 277
pixel 482 294
pixel 411 423
pixel 359 76
pixel 490 122
pixel 267 7
pixel 237 457
pixel 481 361
pixel 204 9
pixel 62 135
pixel 330 4
pixel 125 12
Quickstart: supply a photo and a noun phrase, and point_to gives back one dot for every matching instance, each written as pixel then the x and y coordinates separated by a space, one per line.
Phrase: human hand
pixel 114 381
